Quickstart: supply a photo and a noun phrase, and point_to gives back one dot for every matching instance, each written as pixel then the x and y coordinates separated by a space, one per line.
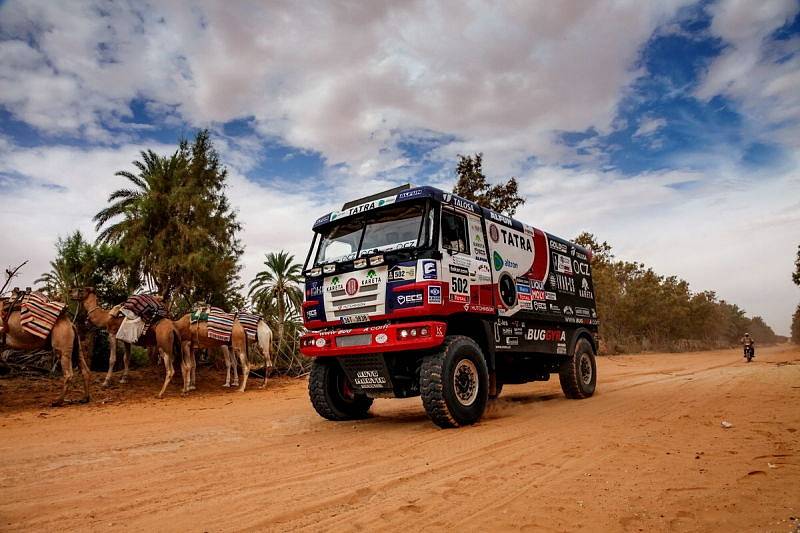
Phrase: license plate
pixel 353 319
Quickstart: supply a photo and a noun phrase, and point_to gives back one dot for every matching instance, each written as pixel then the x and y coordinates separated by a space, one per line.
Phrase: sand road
pixel 647 452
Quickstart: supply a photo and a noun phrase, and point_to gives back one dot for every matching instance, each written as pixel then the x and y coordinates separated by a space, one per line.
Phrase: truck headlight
pixel 376 260
pixel 315 272
pixel 360 263
pixel 329 269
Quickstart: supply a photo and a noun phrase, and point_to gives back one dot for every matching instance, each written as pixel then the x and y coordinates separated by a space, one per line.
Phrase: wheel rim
pixel 585 367
pixel 346 392
pixel 465 382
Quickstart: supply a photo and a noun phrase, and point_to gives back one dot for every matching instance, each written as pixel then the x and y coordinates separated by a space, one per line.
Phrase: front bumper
pixel 374 339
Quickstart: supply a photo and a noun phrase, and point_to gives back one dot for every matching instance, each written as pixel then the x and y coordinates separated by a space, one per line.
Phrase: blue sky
pixel 661 128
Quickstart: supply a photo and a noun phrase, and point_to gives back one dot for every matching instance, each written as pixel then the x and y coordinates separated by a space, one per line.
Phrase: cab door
pixel 465 262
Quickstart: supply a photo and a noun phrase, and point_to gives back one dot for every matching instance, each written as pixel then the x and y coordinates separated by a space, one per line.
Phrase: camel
pixel 63 340
pixel 162 335
pixel 194 336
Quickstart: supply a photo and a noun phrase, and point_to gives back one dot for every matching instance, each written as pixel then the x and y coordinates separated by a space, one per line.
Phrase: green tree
pixel 796 326
pixel 79 263
pixel 796 274
pixel 472 185
pixel 275 291
pixel 175 225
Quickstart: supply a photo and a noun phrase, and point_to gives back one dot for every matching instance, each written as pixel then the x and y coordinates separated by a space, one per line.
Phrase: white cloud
pixel 337 78
pixel 760 74
pixel 649 126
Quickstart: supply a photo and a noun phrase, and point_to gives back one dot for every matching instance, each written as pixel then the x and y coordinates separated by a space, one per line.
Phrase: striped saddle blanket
pixel 38 314
pixel 220 324
pixel 249 322
pixel 149 308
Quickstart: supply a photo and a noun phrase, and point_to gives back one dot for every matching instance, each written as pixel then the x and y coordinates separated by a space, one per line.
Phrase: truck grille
pixel 368 300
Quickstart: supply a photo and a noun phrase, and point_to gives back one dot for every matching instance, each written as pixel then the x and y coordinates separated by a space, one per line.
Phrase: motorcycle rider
pixel 748 341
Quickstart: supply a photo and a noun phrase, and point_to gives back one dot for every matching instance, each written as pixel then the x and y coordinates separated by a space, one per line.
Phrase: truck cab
pixel 415 291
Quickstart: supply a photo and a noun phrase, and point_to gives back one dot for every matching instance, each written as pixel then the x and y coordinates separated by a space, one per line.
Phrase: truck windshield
pixel 384 230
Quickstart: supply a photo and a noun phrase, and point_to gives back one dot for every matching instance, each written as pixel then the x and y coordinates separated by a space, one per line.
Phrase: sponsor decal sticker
pixel 538 295
pixel 459 298
pixel 381 338
pixel 580 268
pixel 311 313
pixel 547 335
pixel 402 273
pixel 320 342
pixel 584 291
pixel 512 341
pixel 512 238
pixel 481 308
pixel 562 283
pixel 351 287
pixel 370 379
pixel 561 263
pixel 434 294
pixel 429 270
pixel 523 289
pixel 409 299
pixel 540 307
pixel 561 348
pixel 549 295
pixel 558 247
pixel 457 269
pixel 498 261
pixel 494 234
pixel 568 310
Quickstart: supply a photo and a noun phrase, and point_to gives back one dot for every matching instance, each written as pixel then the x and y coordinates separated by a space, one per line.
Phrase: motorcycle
pixel 749 353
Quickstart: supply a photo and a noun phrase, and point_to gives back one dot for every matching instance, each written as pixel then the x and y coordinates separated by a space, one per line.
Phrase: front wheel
pixel 332 395
pixel 578 374
pixel 454 383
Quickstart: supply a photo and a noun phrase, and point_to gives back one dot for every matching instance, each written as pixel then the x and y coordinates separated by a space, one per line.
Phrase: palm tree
pixel 275 290
pixel 175 223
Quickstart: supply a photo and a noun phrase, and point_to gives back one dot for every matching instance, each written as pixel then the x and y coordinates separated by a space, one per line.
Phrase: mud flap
pixel 367 373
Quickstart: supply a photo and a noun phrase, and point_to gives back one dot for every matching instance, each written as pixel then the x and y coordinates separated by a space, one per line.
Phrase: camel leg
pixel 112 358
pixel 234 365
pixel 126 360
pixel 87 376
pixel 242 354
pixel 267 368
pixel 169 370
pixel 186 373
pixel 192 371
pixel 227 356
pixel 66 369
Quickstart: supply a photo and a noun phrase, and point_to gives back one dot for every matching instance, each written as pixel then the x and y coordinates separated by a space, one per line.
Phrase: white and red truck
pixel 419 292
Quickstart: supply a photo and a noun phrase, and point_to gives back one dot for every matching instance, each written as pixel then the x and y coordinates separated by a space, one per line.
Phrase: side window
pixel 454 232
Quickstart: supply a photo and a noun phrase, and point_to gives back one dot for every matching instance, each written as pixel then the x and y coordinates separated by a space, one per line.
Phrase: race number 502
pixel 460 285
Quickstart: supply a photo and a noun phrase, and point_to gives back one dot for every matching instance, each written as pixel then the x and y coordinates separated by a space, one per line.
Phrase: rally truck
pixel 418 292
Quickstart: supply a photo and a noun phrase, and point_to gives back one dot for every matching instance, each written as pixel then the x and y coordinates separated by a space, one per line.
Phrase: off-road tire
pixel 573 373
pixel 327 397
pixel 439 388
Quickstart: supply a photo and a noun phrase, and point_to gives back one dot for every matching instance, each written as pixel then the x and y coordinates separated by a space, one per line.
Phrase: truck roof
pixel 404 194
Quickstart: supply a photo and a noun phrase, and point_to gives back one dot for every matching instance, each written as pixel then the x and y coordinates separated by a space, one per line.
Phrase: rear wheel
pixel 331 393
pixel 454 383
pixel 578 374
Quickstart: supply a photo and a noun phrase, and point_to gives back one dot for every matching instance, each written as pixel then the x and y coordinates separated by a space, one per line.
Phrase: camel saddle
pixel 38 314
